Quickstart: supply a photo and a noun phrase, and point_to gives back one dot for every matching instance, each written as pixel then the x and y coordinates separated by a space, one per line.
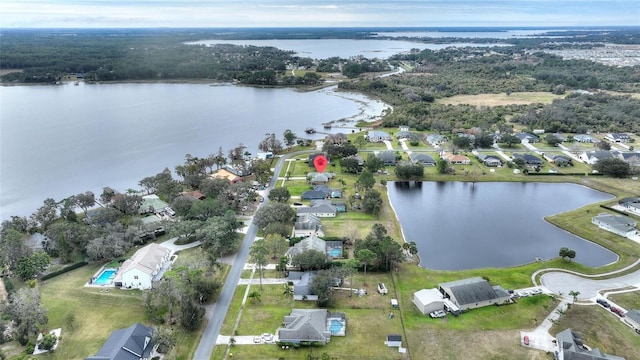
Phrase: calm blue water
pixel 57 141
pixel 344 48
pixel 335 327
pixel 104 277
pixel 459 225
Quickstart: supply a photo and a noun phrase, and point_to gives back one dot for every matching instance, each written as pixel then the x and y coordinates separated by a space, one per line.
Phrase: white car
pixel 267 337
pixel 536 291
pixel 382 289
pixel 438 314
pixel 257 340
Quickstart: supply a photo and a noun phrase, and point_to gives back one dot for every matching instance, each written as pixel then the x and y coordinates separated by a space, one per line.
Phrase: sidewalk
pixel 539 338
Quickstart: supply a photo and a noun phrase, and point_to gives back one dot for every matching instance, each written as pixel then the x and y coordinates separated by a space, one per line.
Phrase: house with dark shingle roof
pixel 422 159
pixel 313 195
pixel 132 343
pixel 562 160
pixel 618 137
pixel 529 160
pixel 473 293
pixel 592 157
pixel 490 160
pixel 306 225
pixel 527 137
pixel 571 347
pixel 388 157
pixel 321 210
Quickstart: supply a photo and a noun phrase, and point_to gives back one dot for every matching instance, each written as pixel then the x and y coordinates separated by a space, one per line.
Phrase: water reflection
pixel 460 225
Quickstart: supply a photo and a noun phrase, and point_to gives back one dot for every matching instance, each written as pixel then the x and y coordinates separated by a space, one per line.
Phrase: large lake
pixel 56 141
pixel 459 225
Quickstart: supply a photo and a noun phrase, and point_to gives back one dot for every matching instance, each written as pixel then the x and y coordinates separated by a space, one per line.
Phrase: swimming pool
pixel 336 327
pixel 335 252
pixel 106 277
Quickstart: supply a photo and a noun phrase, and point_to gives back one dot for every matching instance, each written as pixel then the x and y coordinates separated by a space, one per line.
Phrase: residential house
pixel 422 159
pixel 562 160
pixel 146 266
pixel 341 206
pixel 336 139
pixel 527 137
pixel 319 208
pixel 320 178
pixel 132 343
pixel 618 137
pixel 324 188
pixel 630 157
pixel 307 225
pixel 490 160
pixel 301 285
pixel 312 157
pixel 403 128
pixel 226 174
pixel 617 224
pixel 196 194
pixel 571 346
pixel 357 158
pixel 313 195
pixel 529 160
pixel 309 243
pixel 388 157
pixel 311 326
pixel 454 159
pixel 378 136
pixel 436 139
pixel 592 157
pixel 428 300
pixel 151 204
pixel 560 137
pixel 632 317
pixel 473 293
pixel 584 138
pixel 631 203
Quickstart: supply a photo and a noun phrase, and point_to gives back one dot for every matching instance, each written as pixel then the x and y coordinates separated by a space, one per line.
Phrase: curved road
pixel 216 312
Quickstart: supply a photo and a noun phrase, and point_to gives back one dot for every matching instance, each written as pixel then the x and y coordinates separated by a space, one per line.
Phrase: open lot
pixel 516 98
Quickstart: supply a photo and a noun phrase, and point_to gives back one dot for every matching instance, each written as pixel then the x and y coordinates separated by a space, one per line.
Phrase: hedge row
pixel 63 270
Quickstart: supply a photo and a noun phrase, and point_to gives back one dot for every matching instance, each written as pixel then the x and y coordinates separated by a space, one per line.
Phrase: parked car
pixel 536 291
pixel 267 337
pixel 382 289
pixel 603 302
pixel 257 340
pixel 617 311
pixel 437 314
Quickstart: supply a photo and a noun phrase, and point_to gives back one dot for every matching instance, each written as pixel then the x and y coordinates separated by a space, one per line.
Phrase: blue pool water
pixel 335 327
pixel 105 277
pixel 335 252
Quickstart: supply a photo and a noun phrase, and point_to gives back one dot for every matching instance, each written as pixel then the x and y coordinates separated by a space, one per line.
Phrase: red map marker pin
pixel 320 162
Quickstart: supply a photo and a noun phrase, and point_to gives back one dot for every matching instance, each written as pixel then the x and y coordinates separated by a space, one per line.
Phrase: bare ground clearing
pixel 519 98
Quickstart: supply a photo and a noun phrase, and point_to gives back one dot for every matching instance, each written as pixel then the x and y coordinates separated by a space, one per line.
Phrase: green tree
pixel 350 267
pixel 289 138
pixel 613 167
pixel 280 194
pixel 191 314
pixel 442 166
pixel 366 257
pixel 373 164
pixel 164 338
pixel 365 181
pixel 574 294
pixel 48 341
pixel 27 313
pixel 372 202
pixel 32 265
pixel 288 292
pixel 509 140
pixel 273 212
pixel 259 254
pixel 552 140
pixel 276 244
pixel 255 296
pixel 322 285
pixel 309 260
pixel 350 165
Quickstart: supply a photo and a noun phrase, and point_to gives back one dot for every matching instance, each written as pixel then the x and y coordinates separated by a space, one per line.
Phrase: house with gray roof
pixel 562 160
pixel 617 224
pixel 306 225
pixel 584 138
pixel 146 266
pixel 301 281
pixel 632 317
pixel 436 139
pixel 592 157
pixel 473 293
pixel 321 210
pixel 309 243
pixel 132 343
pixel 313 195
pixel 630 157
pixel 618 137
pixel 529 160
pixel 388 158
pixel 309 326
pixel 490 160
pixel 527 137
pixel 378 136
pixel 422 159
pixel 571 347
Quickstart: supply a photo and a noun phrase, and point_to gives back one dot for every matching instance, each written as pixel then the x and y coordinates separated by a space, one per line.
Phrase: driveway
pixel 562 282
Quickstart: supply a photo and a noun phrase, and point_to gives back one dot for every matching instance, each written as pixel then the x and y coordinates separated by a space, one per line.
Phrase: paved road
pixel 216 312
pixel 560 282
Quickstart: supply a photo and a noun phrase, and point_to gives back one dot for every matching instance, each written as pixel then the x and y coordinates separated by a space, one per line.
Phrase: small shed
pixel 428 300
pixel 394 340
pixel 394 303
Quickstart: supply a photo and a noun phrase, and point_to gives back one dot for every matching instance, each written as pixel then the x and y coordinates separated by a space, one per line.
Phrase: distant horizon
pixel 431 28
pixel 315 13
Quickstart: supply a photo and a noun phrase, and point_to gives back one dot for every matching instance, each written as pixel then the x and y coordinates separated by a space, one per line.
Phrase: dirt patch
pixel 4 297
pixel 520 98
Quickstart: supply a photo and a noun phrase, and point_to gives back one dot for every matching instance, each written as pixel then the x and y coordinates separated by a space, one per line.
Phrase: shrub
pixel 63 270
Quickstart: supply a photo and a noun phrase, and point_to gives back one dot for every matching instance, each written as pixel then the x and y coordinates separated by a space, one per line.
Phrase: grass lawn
pixel 600 329
pixel 629 300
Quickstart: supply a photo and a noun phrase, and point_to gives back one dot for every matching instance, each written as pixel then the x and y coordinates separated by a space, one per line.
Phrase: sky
pixel 315 13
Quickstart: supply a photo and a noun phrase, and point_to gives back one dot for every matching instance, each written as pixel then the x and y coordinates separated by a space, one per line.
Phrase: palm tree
pixel 288 292
pixel 254 296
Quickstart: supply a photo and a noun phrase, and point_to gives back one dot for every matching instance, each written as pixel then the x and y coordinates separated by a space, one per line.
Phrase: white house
pixel 144 267
pixel 378 136
pixel 617 224
pixel 428 300
pixel 473 293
